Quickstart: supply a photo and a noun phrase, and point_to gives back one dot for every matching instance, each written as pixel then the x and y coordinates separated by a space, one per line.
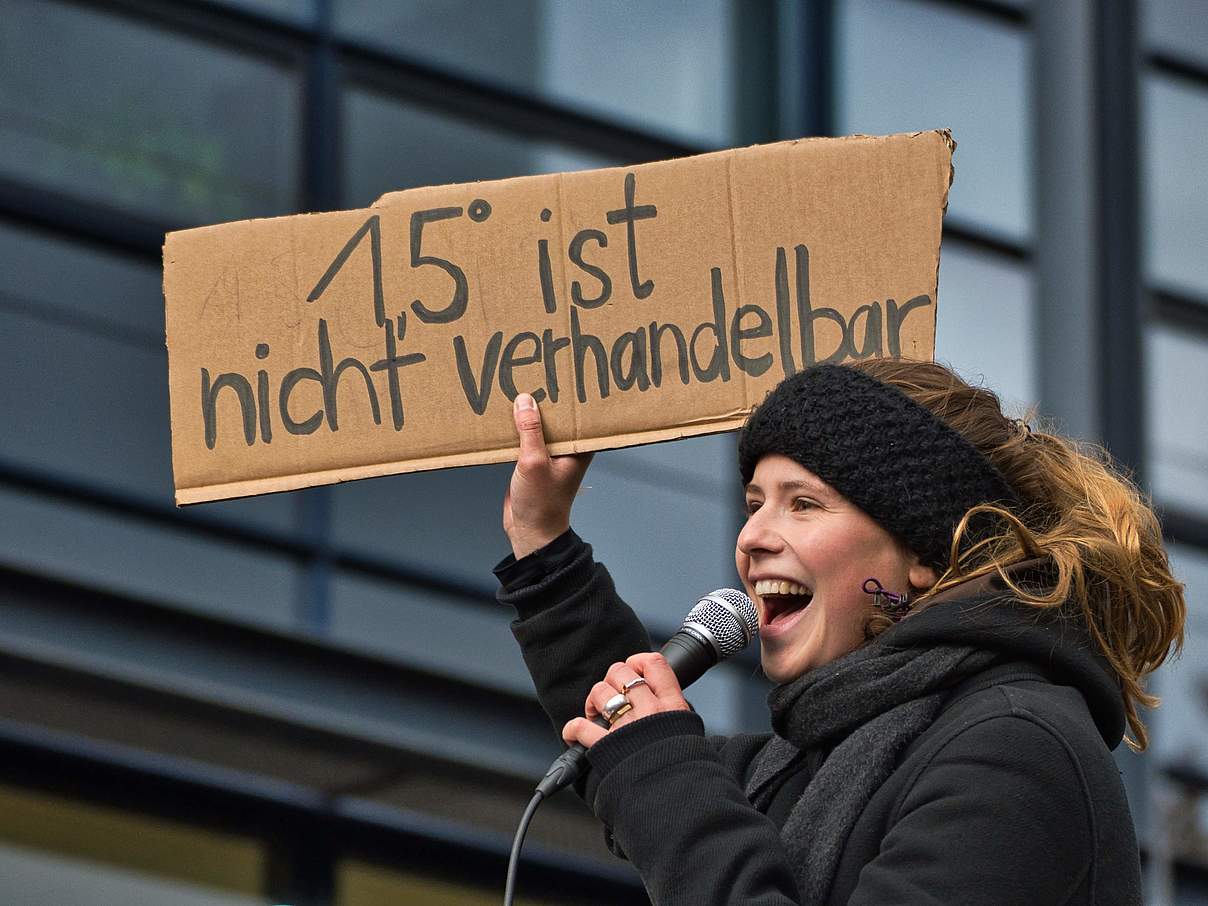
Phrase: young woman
pixel 959 614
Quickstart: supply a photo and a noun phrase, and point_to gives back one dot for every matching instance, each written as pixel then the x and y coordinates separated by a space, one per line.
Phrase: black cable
pixel 510 890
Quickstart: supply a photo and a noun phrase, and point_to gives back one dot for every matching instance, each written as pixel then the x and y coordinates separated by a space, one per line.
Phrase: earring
pixel 894 605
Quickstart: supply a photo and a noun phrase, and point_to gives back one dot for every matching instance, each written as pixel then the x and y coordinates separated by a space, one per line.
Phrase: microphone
pixel 719 625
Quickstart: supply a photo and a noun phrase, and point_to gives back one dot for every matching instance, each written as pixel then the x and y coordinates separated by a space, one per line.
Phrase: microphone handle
pixel 689 656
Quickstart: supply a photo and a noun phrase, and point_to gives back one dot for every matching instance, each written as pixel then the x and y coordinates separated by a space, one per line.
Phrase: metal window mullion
pixel 321 190
pixel 1118 268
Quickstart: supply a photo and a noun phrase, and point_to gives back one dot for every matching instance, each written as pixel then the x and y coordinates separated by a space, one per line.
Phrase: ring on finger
pixel 615 705
pixel 620 712
pixel 636 681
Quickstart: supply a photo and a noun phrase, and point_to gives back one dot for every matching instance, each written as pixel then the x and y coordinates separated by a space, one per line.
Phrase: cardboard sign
pixel 637 304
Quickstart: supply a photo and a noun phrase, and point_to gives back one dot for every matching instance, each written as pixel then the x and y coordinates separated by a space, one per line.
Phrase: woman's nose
pixel 758 534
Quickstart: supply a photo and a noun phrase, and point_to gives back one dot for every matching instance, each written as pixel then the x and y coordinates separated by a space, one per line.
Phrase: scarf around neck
pixel 869 705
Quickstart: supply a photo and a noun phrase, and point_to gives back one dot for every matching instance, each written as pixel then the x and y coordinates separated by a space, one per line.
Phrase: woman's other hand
pixel 536 507
pixel 660 692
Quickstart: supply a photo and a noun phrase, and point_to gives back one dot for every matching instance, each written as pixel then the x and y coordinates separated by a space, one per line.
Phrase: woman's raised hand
pixel 536 507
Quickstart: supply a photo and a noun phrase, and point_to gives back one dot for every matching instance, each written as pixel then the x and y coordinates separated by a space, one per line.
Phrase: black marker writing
pixel 630 215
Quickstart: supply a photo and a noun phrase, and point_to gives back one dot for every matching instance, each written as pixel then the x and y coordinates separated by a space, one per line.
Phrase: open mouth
pixel 782 601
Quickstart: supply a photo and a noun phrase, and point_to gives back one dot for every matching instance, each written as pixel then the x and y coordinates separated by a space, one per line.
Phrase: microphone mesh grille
pixel 729 618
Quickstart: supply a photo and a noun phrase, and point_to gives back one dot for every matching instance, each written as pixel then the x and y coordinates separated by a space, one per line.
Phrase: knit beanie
pixel 910 471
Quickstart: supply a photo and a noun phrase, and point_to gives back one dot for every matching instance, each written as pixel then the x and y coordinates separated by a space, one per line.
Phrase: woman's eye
pixel 752 506
pixel 803 503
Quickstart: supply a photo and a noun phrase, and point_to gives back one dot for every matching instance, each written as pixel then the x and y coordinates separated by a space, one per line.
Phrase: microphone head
pixel 726 618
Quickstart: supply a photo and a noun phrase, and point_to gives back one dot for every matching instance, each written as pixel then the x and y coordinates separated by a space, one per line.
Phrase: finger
pixel 528 425
pixel 657 672
pixel 582 731
pixel 598 697
pixel 621 675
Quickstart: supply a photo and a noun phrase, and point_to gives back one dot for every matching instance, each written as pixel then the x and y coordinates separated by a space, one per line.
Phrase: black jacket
pixel 1011 796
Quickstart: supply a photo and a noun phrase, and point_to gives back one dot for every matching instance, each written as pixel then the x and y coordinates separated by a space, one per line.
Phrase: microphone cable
pixel 565 769
pixel 514 860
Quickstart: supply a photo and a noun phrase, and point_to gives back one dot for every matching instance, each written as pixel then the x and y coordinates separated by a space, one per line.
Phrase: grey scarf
pixel 869 705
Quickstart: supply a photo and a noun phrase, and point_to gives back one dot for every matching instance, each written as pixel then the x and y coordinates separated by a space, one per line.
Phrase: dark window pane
pixel 447 522
pixel 145 561
pixel 628 62
pixel 102 107
pixel 112 294
pixel 1176 26
pixel 906 66
pixel 1178 726
pixel 393 145
pixel 87 374
pixel 441 634
pixel 985 323
pixel 1177 362
pixel 1176 184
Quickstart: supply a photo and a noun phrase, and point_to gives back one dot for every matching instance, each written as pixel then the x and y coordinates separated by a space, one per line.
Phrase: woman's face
pixel 803 555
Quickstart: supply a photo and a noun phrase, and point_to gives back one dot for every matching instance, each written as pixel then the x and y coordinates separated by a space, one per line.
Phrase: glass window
pixel 906 66
pixel 631 62
pixel 447 523
pixel 55 850
pixel 1176 26
pixel 706 464
pixel 1178 725
pixel 393 145
pixel 47 277
pixel 98 106
pixel 659 65
pixel 985 323
pixel 1175 188
pixel 146 561
pixel 664 544
pixel 1176 457
pixel 89 406
pixel 437 633
pixel 86 368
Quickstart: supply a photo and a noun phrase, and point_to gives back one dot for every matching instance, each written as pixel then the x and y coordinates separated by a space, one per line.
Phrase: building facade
pixel 313 698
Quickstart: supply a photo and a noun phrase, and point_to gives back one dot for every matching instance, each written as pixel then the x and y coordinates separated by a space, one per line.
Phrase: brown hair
pixel 1097 531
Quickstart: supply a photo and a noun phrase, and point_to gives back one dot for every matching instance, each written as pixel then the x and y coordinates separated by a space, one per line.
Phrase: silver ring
pixel 636 681
pixel 619 713
pixel 613 706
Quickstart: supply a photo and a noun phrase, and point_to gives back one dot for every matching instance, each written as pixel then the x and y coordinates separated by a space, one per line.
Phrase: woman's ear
pixel 922 577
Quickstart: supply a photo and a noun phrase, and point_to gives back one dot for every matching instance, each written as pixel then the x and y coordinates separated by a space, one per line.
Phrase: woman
pixel 958 613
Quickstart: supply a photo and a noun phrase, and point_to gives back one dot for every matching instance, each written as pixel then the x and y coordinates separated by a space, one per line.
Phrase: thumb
pixel 528 425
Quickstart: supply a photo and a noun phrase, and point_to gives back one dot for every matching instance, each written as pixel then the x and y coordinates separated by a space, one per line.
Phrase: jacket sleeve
pixel 1001 815
pixel 572 626
pixel 682 819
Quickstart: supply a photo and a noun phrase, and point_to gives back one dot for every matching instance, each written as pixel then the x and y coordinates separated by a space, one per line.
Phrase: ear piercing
pixel 893 604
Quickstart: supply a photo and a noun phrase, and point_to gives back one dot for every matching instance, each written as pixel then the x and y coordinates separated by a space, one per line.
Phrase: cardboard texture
pixel 638 304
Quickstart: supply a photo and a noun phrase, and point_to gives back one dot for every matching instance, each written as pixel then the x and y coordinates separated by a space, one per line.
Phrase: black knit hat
pixel 911 472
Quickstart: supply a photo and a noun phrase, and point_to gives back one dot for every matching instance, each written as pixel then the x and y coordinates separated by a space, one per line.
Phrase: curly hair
pixel 1101 538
